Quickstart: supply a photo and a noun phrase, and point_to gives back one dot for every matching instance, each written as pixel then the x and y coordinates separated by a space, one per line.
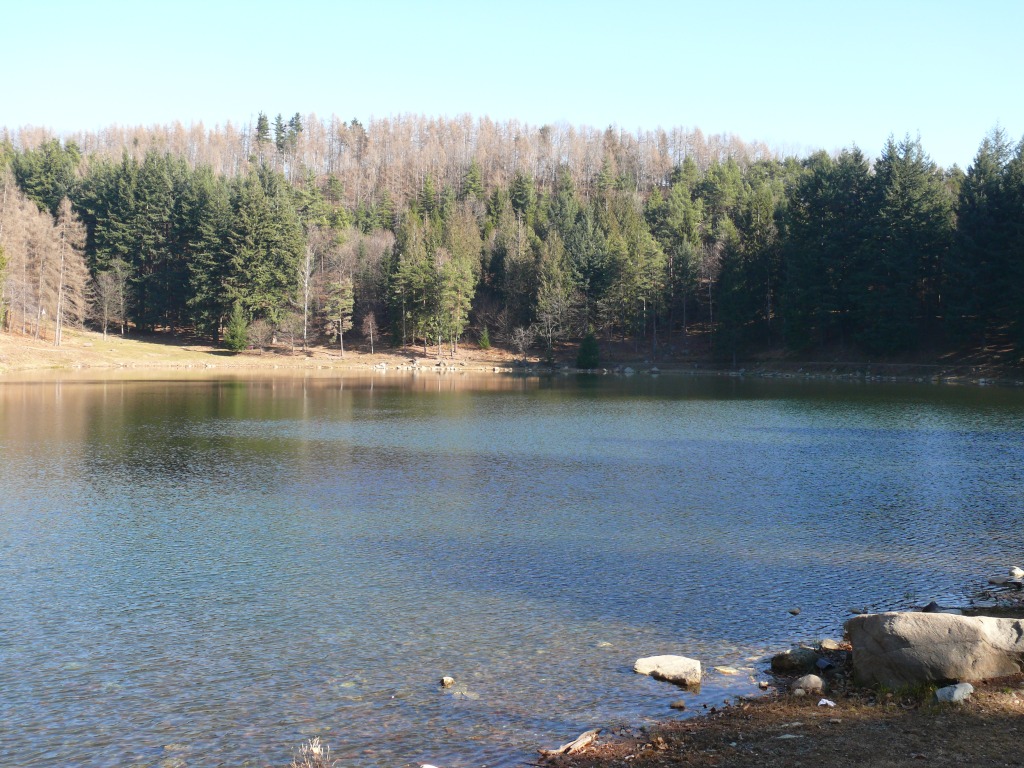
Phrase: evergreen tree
pixel 236 335
pixel 980 298
pixel 829 216
pixel 265 244
pixel 207 213
pixel 896 279
pixel 48 174
pixel 589 355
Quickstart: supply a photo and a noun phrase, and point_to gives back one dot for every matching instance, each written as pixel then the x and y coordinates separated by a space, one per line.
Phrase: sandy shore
pixel 89 350
pixel 83 349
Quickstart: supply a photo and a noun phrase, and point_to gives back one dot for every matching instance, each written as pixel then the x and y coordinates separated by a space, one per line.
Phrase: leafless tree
pixel 522 339
pixel 261 334
pixel 369 328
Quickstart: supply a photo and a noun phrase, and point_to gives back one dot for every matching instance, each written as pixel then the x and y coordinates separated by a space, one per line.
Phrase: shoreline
pixel 847 725
pixel 88 350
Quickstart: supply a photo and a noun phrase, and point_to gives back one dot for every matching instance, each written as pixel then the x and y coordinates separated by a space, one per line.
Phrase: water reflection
pixel 214 569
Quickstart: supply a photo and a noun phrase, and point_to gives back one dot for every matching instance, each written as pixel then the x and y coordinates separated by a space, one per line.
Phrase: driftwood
pixel 575 746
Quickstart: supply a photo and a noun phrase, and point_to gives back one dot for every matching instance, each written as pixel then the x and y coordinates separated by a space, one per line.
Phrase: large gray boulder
pixel 675 669
pixel 899 649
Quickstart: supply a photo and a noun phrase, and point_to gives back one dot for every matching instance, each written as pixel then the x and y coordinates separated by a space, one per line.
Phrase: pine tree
pixel 236 335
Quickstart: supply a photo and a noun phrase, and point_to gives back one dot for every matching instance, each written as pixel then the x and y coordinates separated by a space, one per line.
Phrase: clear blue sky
pixel 798 75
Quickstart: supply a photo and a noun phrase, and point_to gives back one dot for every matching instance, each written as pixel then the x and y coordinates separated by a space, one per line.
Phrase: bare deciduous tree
pixel 369 328
pixel 522 339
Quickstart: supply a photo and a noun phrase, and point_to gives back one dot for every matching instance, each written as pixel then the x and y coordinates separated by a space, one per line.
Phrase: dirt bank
pixel 865 728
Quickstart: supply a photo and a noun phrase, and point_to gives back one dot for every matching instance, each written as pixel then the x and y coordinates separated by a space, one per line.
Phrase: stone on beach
pixel 954 694
pixel 808 684
pixel 899 649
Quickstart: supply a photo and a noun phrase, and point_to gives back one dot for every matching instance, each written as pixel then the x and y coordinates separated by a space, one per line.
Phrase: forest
pixel 430 232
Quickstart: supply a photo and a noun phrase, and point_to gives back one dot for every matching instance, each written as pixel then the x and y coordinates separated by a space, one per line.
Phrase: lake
pixel 207 571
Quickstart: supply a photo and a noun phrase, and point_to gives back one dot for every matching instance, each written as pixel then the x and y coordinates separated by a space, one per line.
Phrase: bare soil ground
pixel 865 728
pixel 87 349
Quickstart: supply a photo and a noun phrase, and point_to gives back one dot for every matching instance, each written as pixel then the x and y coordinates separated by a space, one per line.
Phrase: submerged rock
pixel 795 660
pixel 680 670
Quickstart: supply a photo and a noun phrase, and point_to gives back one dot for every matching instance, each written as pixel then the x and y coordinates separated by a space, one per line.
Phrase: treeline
pixel 737 251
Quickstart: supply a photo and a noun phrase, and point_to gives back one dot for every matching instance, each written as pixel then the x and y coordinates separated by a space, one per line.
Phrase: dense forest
pixel 429 232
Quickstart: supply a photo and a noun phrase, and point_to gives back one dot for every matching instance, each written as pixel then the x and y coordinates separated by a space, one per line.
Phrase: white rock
pixel 809 684
pixel 1016 573
pixel 899 649
pixel 954 693
pixel 674 669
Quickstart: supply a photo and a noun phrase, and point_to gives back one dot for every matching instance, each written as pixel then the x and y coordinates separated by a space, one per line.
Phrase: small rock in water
pixel 953 694
pixel 795 611
pixel 795 660
pixel 1016 573
pixel 830 645
pixel 932 607
pixel 674 669
pixel 678 704
pixel 763 685
pixel 726 670
pixel 447 682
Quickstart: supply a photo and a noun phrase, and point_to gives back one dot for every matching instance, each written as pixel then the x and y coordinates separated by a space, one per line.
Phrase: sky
pixel 799 76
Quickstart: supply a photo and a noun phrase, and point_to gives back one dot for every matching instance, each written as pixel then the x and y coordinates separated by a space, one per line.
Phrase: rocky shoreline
pixel 945 687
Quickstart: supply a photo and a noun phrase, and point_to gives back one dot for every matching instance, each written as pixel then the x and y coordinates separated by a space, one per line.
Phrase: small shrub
pixel 236 335
pixel 314 754
pixel 589 355
pixel 485 339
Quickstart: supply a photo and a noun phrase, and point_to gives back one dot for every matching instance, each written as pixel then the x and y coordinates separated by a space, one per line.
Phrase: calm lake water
pixel 201 572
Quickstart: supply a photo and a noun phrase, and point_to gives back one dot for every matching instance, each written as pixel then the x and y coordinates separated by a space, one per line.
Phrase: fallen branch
pixel 575 746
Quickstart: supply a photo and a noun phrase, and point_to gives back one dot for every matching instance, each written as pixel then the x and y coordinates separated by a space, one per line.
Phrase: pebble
pixel 678 704
pixel 795 611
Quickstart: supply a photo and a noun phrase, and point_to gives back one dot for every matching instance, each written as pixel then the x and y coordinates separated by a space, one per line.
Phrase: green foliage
pixel 589 355
pixel 236 334
pixel 824 252
pixel 485 338
pixel 48 174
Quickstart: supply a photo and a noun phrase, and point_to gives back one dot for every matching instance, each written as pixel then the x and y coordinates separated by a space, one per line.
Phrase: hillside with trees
pixel 432 231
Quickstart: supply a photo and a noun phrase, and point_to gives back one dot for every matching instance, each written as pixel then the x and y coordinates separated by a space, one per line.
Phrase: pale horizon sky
pixel 798 75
